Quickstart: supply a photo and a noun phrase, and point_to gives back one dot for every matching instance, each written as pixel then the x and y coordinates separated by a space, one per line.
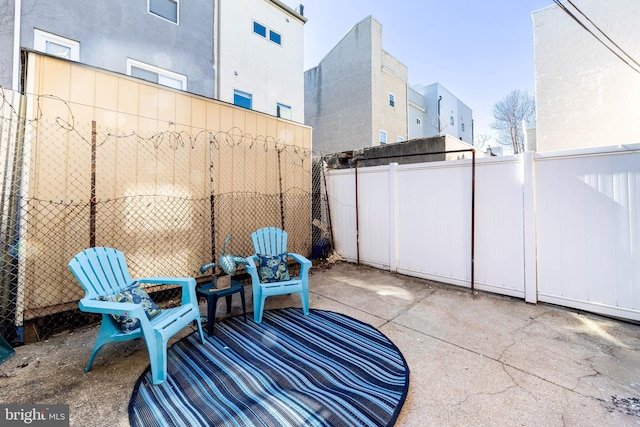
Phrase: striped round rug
pixel 324 369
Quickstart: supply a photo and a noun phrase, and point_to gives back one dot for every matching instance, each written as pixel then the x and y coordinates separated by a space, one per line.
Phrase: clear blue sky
pixel 479 50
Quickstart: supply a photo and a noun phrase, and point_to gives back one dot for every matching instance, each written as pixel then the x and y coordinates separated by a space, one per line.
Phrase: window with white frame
pixel 392 100
pixel 167 9
pixel 400 138
pixel 242 99
pixel 418 121
pixel 56 45
pixel 156 74
pixel 262 31
pixel 284 111
pixel 383 137
pixel 275 37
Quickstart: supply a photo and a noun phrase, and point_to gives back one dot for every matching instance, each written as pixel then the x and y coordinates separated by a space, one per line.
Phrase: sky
pixel 478 50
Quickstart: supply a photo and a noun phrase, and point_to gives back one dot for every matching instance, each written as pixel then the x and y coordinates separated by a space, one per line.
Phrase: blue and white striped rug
pixel 325 369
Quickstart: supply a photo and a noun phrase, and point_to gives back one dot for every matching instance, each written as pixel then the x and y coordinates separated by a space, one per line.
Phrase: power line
pixel 583 25
pixel 603 33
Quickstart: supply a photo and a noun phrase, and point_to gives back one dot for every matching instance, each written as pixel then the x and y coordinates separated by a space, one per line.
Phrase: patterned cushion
pixel 273 268
pixel 132 295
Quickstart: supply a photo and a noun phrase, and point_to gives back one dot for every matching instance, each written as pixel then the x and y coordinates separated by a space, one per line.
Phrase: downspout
pixel 357 219
pixel 473 221
pixel 15 78
pixel 216 49
pixel 439 123
pixel 473 137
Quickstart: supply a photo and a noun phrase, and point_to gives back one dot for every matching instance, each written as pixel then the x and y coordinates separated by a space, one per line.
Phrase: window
pixel 156 75
pixel 400 138
pixel 56 45
pixel 452 121
pixel 242 99
pixel 167 9
pixel 392 100
pixel 284 111
pixel 275 37
pixel 418 121
pixel 383 137
pixel 462 126
pixel 259 29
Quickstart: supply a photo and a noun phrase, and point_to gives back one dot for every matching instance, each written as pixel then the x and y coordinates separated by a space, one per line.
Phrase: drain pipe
pixel 357 220
pixel 439 121
pixel 473 219
pixel 15 78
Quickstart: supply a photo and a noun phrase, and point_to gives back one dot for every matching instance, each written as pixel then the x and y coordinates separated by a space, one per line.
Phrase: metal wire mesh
pixel 166 199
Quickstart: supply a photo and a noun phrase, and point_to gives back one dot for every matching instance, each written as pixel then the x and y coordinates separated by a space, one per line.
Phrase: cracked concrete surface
pixel 475 360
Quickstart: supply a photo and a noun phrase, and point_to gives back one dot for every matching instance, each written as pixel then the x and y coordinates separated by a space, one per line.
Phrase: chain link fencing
pixel 167 199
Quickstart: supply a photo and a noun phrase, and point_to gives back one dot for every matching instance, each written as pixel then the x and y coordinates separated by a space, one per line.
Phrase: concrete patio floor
pixel 475 360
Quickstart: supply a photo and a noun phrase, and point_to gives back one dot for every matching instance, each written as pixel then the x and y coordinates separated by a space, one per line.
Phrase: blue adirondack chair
pixel 104 275
pixel 269 271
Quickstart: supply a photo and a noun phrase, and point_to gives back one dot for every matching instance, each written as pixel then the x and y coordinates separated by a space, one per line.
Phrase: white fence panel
pixel 416 220
pixel 499 241
pixel 341 187
pixel 561 228
pixel 434 221
pixel 374 215
pixel 588 247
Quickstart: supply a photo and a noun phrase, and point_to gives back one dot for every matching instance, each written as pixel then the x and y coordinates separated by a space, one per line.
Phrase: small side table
pixel 212 295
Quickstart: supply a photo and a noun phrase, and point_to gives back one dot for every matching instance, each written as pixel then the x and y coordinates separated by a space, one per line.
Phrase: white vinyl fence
pixel 561 228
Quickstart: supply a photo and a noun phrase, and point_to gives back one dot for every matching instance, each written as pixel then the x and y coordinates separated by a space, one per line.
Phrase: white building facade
pixel 260 57
pixel 435 111
pixel 585 95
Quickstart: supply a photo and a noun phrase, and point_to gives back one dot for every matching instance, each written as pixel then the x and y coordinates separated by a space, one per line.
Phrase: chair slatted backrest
pixel 269 241
pixel 101 271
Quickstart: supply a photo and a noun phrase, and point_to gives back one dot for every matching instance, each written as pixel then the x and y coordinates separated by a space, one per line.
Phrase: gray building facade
pixel 357 95
pixel 167 41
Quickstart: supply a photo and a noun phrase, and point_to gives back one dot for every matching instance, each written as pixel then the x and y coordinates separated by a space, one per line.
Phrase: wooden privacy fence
pixel 167 198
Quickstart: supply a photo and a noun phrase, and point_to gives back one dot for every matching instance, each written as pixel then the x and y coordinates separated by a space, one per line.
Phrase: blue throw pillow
pixel 132 295
pixel 273 268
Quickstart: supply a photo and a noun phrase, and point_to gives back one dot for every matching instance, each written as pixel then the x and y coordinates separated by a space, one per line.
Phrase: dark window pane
pixel 260 29
pixel 242 99
pixel 275 37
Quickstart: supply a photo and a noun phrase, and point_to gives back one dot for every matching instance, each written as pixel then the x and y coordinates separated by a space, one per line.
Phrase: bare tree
pixel 509 114
pixel 481 140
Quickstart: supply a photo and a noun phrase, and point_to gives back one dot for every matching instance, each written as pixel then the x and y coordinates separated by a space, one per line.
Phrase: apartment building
pixel 359 97
pixel 246 52
pixel 260 57
pixel 435 111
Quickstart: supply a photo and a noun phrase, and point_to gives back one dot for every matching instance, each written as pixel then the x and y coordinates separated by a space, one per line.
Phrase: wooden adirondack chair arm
pixel 107 307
